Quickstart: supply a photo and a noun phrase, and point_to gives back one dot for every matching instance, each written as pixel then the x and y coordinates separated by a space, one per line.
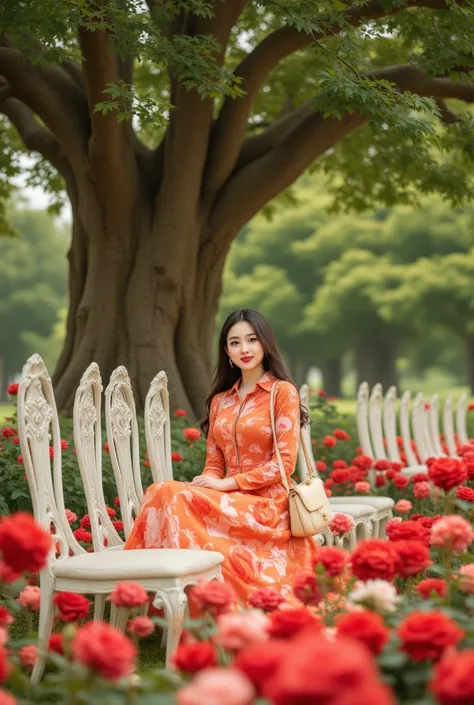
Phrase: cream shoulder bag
pixel 308 505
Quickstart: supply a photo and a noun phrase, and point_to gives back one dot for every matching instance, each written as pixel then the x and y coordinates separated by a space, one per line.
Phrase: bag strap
pixel 284 478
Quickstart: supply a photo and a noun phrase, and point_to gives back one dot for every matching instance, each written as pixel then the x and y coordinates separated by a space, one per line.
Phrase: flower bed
pixel 389 623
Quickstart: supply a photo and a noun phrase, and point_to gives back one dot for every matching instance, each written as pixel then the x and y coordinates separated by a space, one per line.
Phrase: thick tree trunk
pixel 470 361
pixel 375 362
pixel 332 376
pixel 129 307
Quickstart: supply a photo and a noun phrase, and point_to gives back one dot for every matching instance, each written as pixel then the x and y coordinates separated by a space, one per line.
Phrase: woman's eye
pixel 252 340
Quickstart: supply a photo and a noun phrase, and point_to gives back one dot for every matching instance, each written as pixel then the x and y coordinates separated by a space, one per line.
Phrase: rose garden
pixel 390 622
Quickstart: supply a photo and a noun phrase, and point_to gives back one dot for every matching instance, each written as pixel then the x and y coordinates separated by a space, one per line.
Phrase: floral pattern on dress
pixel 249 526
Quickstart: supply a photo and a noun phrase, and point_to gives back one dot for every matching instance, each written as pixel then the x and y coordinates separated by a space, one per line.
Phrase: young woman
pixel 238 506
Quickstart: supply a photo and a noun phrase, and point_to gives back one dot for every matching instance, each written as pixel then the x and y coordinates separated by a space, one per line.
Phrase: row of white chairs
pixel 165 573
pixel 418 425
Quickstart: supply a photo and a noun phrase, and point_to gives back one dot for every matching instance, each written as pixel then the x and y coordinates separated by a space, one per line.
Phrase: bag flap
pixel 312 494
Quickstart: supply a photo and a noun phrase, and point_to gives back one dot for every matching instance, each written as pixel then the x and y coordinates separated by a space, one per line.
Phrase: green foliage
pixel 33 284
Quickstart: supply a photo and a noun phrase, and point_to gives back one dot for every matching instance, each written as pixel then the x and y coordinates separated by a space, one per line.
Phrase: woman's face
pixel 243 346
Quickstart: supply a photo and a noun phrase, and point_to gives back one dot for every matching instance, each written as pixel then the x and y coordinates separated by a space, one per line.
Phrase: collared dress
pixel 249 526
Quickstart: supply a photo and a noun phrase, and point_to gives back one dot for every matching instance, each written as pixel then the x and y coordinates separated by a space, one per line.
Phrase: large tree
pixel 257 92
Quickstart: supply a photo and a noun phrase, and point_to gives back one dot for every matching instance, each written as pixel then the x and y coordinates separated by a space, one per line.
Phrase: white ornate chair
pixel 413 465
pixel 158 429
pixel 448 426
pixel 433 422
pixel 461 426
pixel 124 445
pixel 163 572
pixel 421 429
pixel 368 518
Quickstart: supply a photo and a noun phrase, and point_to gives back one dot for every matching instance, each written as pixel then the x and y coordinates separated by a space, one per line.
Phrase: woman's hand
pixel 214 483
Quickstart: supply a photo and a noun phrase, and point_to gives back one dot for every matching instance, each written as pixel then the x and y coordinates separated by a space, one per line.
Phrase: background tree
pixel 437 291
pixel 33 286
pixel 236 111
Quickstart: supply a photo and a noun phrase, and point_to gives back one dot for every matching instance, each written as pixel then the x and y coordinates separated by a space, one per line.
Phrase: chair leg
pixel 174 602
pixel 44 632
pixel 99 607
pixel 121 618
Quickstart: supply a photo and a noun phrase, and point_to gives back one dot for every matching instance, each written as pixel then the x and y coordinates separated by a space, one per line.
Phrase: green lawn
pixel 5 411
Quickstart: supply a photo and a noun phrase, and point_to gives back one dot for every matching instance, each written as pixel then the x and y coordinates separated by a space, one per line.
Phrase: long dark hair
pixel 225 376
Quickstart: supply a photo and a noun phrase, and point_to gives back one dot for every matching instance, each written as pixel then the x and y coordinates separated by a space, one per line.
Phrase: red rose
pixel 340 476
pixel 432 585
pixel 12 389
pixel 465 493
pixel 341 524
pixel 380 481
pixel 176 457
pixel 82 535
pixel 341 435
pixel 5 666
pixel 396 467
pixel 306 589
pixel 321 393
pixel 339 465
pixel 9 431
pixel 141 626
pixel 192 434
pixel 419 477
pixel 118 525
pixel 329 441
pixel 260 664
pixel 56 644
pixel 367 627
pixel 447 473
pixel 194 657
pixel 15 440
pixel 105 650
pixel 414 557
pixel 334 560
pixel 213 596
pixel 181 413
pixel 85 522
pixel 427 522
pixel 129 595
pixel 363 461
pixel 316 670
pixel 373 559
pixel 320 466
pixel 7 699
pixel 71 606
pixel 400 481
pixel 111 512
pixel 452 682
pixel 117 502
pixel 426 635
pixel 24 544
pixel 407 530
pixel 382 464
pixel 6 618
pixel 106 447
pixel 284 624
pixel 267 599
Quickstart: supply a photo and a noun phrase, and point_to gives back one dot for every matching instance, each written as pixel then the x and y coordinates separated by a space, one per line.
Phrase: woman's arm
pixel 287 422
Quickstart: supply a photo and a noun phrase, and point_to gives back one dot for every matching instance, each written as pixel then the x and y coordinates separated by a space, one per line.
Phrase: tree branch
pixel 229 131
pixel 50 93
pixel 261 180
pixel 109 152
pixel 35 137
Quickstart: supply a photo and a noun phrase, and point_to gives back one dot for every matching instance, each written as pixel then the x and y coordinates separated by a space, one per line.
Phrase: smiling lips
pixel 246 359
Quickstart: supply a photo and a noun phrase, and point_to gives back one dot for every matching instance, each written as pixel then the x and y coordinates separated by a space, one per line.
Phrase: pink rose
pixel 30 598
pixel 141 626
pixel 421 490
pixel 452 531
pixel 403 506
pixel 236 631
pixel 466 575
pixel 27 656
pixel 70 516
pixel 217 686
pixel 129 595
pixel 362 487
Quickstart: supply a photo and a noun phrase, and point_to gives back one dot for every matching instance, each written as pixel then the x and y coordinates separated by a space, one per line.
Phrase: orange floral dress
pixel 249 526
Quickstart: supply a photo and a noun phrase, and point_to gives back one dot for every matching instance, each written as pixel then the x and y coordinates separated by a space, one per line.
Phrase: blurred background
pixel 382 296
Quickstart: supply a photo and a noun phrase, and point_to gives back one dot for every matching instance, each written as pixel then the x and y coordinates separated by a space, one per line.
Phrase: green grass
pixel 5 411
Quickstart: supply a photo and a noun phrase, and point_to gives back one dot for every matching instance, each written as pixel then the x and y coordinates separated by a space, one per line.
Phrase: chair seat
pixel 137 564
pixel 409 472
pixel 379 503
pixel 357 511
